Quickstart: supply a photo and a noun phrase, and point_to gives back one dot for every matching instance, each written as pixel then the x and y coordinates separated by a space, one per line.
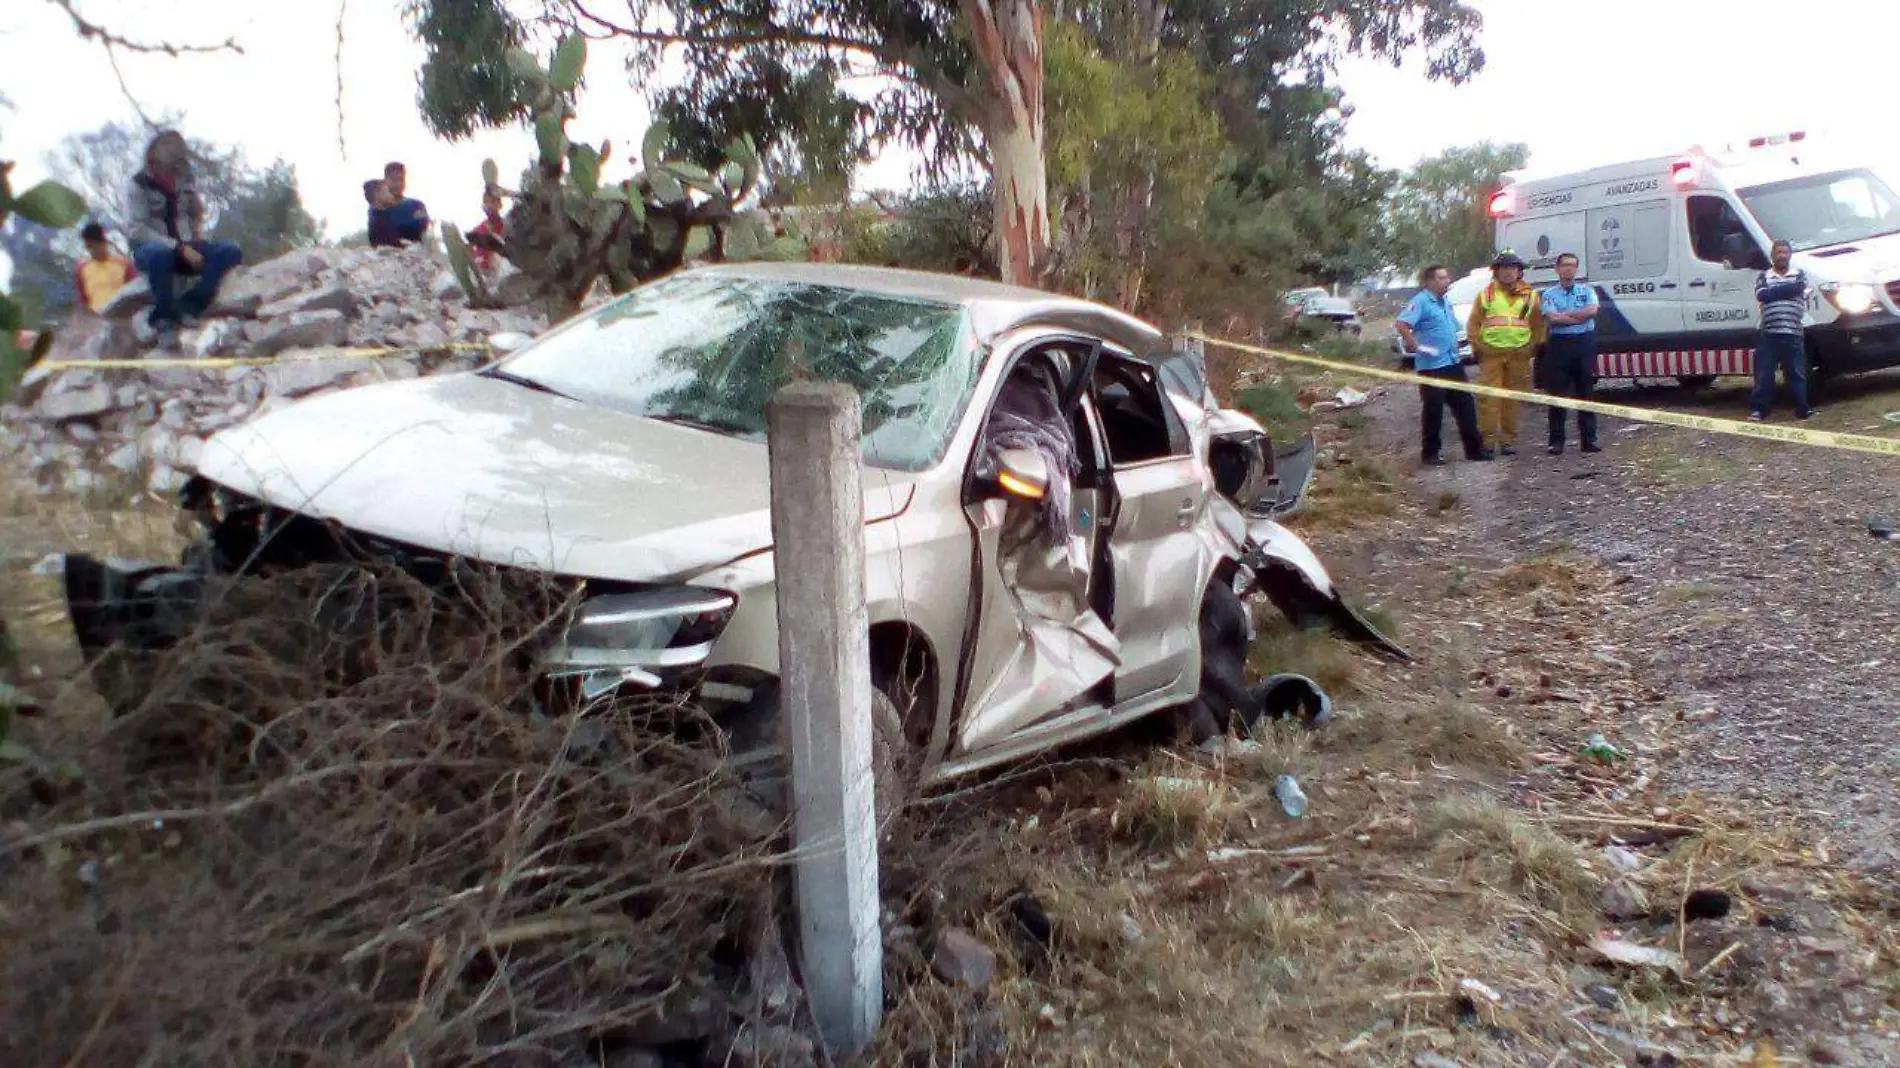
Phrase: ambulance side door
pixel 1630 258
pixel 1722 258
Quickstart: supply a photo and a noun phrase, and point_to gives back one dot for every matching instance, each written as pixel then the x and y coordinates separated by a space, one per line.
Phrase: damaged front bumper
pixel 603 636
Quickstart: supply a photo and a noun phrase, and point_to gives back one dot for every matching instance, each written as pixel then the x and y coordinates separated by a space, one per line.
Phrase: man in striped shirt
pixel 1783 293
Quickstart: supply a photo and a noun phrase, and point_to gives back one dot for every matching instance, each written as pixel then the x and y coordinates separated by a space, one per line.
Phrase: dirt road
pixel 1752 597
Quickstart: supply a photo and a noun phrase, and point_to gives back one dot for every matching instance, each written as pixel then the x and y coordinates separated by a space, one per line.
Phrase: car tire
pixel 763 763
pixel 1224 702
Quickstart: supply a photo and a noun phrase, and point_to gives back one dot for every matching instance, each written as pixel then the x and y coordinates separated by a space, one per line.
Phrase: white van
pixel 1674 245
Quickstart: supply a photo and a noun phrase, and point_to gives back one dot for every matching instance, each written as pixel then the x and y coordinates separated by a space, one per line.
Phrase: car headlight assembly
pixel 634 637
pixel 1852 298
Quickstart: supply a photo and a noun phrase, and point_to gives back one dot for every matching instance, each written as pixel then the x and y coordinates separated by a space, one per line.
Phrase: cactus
pixel 467 275
pixel 569 226
pixel 48 204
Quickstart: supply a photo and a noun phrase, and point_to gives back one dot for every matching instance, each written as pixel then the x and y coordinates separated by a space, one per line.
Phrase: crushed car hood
pixel 499 472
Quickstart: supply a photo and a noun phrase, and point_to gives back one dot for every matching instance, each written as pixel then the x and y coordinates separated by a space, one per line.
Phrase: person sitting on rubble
pixel 165 225
pixel 405 213
pixel 103 272
pixel 382 229
pixel 485 242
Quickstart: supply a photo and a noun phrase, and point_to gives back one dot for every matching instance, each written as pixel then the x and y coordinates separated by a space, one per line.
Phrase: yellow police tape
pixel 213 363
pixel 1826 439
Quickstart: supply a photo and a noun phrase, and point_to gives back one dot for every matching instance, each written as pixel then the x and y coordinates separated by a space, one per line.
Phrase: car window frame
pixel 1097 466
pixel 1180 445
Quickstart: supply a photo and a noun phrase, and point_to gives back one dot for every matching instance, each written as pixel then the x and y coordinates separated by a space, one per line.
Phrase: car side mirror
pixel 1019 474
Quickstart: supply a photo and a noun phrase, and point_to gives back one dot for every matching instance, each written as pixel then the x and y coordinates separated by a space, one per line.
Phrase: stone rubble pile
pixel 87 430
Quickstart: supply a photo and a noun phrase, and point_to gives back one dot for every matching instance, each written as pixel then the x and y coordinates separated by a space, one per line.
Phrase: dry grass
pixel 1282 749
pixel 1281 647
pixel 1559 571
pixel 1167 812
pixel 1351 496
pixel 313 850
pixel 1502 848
pixel 1445 732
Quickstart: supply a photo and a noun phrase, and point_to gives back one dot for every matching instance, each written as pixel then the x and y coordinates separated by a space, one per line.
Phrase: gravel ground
pixel 1755 601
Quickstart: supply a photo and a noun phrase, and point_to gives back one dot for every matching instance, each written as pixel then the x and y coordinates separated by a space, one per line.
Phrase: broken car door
pixel 1037 646
pixel 1156 556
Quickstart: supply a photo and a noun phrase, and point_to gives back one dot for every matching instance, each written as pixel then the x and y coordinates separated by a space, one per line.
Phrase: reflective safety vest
pixel 1507 322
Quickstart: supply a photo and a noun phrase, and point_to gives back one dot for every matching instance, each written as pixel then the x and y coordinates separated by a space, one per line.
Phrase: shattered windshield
pixel 1826 209
pixel 709 352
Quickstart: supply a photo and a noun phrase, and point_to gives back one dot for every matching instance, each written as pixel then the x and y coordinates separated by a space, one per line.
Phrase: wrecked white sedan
pixel 1061 525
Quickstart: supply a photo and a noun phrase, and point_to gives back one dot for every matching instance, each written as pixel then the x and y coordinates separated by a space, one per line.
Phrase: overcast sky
pixel 1580 81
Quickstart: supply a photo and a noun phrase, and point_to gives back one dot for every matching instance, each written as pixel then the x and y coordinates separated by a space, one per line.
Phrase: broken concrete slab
pixel 327 328
pixel 83 403
pixel 445 287
pixel 299 377
pixel 112 339
pixel 124 459
pixel 329 298
pixel 133 297
pixel 218 338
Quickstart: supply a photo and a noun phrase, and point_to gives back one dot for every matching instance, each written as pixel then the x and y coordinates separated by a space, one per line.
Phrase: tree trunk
pixel 1134 204
pixel 1009 50
pixel 1133 212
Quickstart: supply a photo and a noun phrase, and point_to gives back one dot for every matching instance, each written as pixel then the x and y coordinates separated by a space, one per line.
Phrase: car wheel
pixel 762 761
pixel 1223 703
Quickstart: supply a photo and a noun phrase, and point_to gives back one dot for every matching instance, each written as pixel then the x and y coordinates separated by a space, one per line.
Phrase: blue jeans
pixel 1787 352
pixel 159 264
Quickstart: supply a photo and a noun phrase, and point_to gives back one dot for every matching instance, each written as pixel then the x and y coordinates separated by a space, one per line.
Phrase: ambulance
pixel 1674 244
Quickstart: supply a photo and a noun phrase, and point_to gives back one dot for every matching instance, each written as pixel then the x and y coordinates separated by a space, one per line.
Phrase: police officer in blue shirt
pixel 1430 332
pixel 1568 365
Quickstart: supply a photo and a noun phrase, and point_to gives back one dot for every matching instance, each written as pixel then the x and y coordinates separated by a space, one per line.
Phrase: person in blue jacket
pixel 407 218
pixel 1429 330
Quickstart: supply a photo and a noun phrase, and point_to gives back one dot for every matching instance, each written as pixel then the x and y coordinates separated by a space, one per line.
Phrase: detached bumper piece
pixel 1294 593
pixel 128 605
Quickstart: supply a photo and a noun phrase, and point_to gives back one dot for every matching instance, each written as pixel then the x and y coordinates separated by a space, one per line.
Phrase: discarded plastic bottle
pixel 1597 747
pixel 1292 800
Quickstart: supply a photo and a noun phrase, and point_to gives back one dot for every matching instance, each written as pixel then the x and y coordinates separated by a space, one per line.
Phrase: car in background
pixel 1462 295
pixel 1312 304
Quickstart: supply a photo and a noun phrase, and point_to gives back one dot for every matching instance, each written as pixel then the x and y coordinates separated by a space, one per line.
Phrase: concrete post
pixel 825 686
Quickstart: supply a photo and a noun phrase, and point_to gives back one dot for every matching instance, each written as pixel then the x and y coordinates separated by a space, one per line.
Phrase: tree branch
pixel 955 97
pixel 342 7
pixel 92 31
pixel 112 57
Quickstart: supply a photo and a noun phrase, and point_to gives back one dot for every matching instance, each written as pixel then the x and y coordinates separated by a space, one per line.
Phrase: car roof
pixel 995 309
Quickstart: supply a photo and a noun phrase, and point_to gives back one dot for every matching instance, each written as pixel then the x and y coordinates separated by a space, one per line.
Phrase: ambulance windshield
pixel 1825 209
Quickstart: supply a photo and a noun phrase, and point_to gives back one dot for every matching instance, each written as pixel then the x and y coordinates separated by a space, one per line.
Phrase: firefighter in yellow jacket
pixel 1506 327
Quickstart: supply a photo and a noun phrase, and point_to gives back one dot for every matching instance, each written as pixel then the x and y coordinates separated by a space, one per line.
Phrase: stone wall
pixel 86 428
